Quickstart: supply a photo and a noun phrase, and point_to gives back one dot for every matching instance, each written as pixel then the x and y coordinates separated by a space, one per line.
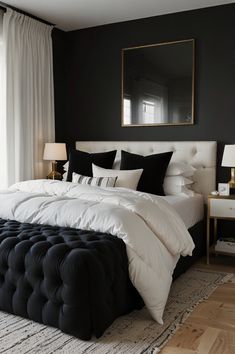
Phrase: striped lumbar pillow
pixel 94 181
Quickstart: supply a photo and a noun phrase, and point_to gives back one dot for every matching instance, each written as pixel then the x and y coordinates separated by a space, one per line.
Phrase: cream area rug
pixel 135 333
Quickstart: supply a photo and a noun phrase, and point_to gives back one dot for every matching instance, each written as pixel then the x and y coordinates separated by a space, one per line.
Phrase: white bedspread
pixel 154 234
pixel 189 208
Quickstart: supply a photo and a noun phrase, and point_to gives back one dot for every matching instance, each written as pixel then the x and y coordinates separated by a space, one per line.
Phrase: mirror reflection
pixel 158 84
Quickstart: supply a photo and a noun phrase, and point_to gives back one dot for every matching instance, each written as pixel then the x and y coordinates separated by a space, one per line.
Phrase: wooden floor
pixel 210 329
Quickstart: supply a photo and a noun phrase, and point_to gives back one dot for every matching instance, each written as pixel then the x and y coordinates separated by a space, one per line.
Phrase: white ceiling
pixel 76 14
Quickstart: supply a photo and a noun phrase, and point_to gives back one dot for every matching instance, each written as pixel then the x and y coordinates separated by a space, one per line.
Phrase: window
pixel 148 111
pixel 127 110
pixel 152 110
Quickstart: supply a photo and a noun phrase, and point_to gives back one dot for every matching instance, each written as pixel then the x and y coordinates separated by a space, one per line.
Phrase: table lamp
pixel 229 161
pixel 53 152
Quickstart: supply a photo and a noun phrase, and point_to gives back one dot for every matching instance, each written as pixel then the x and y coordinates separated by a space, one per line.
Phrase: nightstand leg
pixel 215 230
pixel 208 241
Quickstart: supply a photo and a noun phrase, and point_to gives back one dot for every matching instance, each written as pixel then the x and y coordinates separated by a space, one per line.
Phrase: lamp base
pixel 54 174
pixel 232 181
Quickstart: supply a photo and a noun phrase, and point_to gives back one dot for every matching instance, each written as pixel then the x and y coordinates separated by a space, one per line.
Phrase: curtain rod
pixel 3 7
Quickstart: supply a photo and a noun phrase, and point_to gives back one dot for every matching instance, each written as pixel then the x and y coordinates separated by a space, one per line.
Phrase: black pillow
pixel 155 166
pixel 81 162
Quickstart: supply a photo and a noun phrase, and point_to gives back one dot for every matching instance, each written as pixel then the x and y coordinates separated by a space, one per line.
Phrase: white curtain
pixel 3 179
pixel 27 110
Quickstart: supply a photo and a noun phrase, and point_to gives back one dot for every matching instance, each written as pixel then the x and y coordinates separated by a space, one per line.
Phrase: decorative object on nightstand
pixel 229 161
pixel 223 189
pixel 220 207
pixel 53 152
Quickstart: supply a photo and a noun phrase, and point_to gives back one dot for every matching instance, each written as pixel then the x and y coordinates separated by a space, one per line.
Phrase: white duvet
pixel 154 234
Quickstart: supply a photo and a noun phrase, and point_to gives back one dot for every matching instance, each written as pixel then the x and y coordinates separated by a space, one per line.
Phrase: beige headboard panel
pixel 200 154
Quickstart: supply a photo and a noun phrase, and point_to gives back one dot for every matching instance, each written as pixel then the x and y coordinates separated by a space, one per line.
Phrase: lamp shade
pixel 229 156
pixel 55 151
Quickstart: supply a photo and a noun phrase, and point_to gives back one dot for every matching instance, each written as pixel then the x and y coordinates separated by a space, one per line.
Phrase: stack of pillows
pixel 178 179
pixel 150 174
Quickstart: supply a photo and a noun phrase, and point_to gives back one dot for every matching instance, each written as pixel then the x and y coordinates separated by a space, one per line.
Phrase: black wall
pixel 87 65
pixel 60 48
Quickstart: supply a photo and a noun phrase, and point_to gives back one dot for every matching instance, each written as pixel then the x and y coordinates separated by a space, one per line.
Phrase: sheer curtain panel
pixel 3 176
pixel 28 116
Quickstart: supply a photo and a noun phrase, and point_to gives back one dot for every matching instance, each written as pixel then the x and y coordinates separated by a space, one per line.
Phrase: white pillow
pixel 94 181
pixel 126 178
pixel 180 168
pixel 174 185
pixel 66 166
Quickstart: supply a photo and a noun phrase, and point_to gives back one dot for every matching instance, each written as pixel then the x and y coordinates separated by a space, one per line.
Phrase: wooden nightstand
pixel 219 207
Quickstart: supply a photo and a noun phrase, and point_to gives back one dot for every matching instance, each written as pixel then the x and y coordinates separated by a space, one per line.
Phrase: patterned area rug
pixel 135 333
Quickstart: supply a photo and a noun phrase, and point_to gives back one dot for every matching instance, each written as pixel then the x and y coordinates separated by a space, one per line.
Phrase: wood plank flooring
pixel 210 329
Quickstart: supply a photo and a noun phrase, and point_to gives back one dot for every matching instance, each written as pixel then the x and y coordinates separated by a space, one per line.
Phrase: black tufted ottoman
pixel 71 279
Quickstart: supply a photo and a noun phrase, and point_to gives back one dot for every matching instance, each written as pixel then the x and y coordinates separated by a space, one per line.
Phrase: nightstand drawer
pixel 222 208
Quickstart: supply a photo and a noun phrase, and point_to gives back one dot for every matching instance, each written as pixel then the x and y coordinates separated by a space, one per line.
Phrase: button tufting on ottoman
pixel 71 279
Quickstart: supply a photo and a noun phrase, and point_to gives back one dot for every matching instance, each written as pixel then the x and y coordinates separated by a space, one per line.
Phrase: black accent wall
pixel 87 67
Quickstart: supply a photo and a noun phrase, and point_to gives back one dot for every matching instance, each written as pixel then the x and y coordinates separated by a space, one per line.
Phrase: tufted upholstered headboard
pixel 200 154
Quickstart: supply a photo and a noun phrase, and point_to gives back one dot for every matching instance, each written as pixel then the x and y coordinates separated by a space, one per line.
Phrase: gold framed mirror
pixel 158 84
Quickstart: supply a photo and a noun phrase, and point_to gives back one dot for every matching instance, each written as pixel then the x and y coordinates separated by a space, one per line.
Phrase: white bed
pixel 200 154
pixel 154 234
pixel 190 209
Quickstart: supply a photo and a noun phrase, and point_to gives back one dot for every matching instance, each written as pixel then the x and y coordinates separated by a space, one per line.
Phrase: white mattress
pixel 191 209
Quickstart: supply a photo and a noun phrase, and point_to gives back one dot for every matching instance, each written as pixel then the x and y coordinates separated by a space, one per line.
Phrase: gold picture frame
pixel 140 105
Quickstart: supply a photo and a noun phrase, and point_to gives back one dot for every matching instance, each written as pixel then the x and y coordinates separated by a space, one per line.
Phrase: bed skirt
pixel 198 234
